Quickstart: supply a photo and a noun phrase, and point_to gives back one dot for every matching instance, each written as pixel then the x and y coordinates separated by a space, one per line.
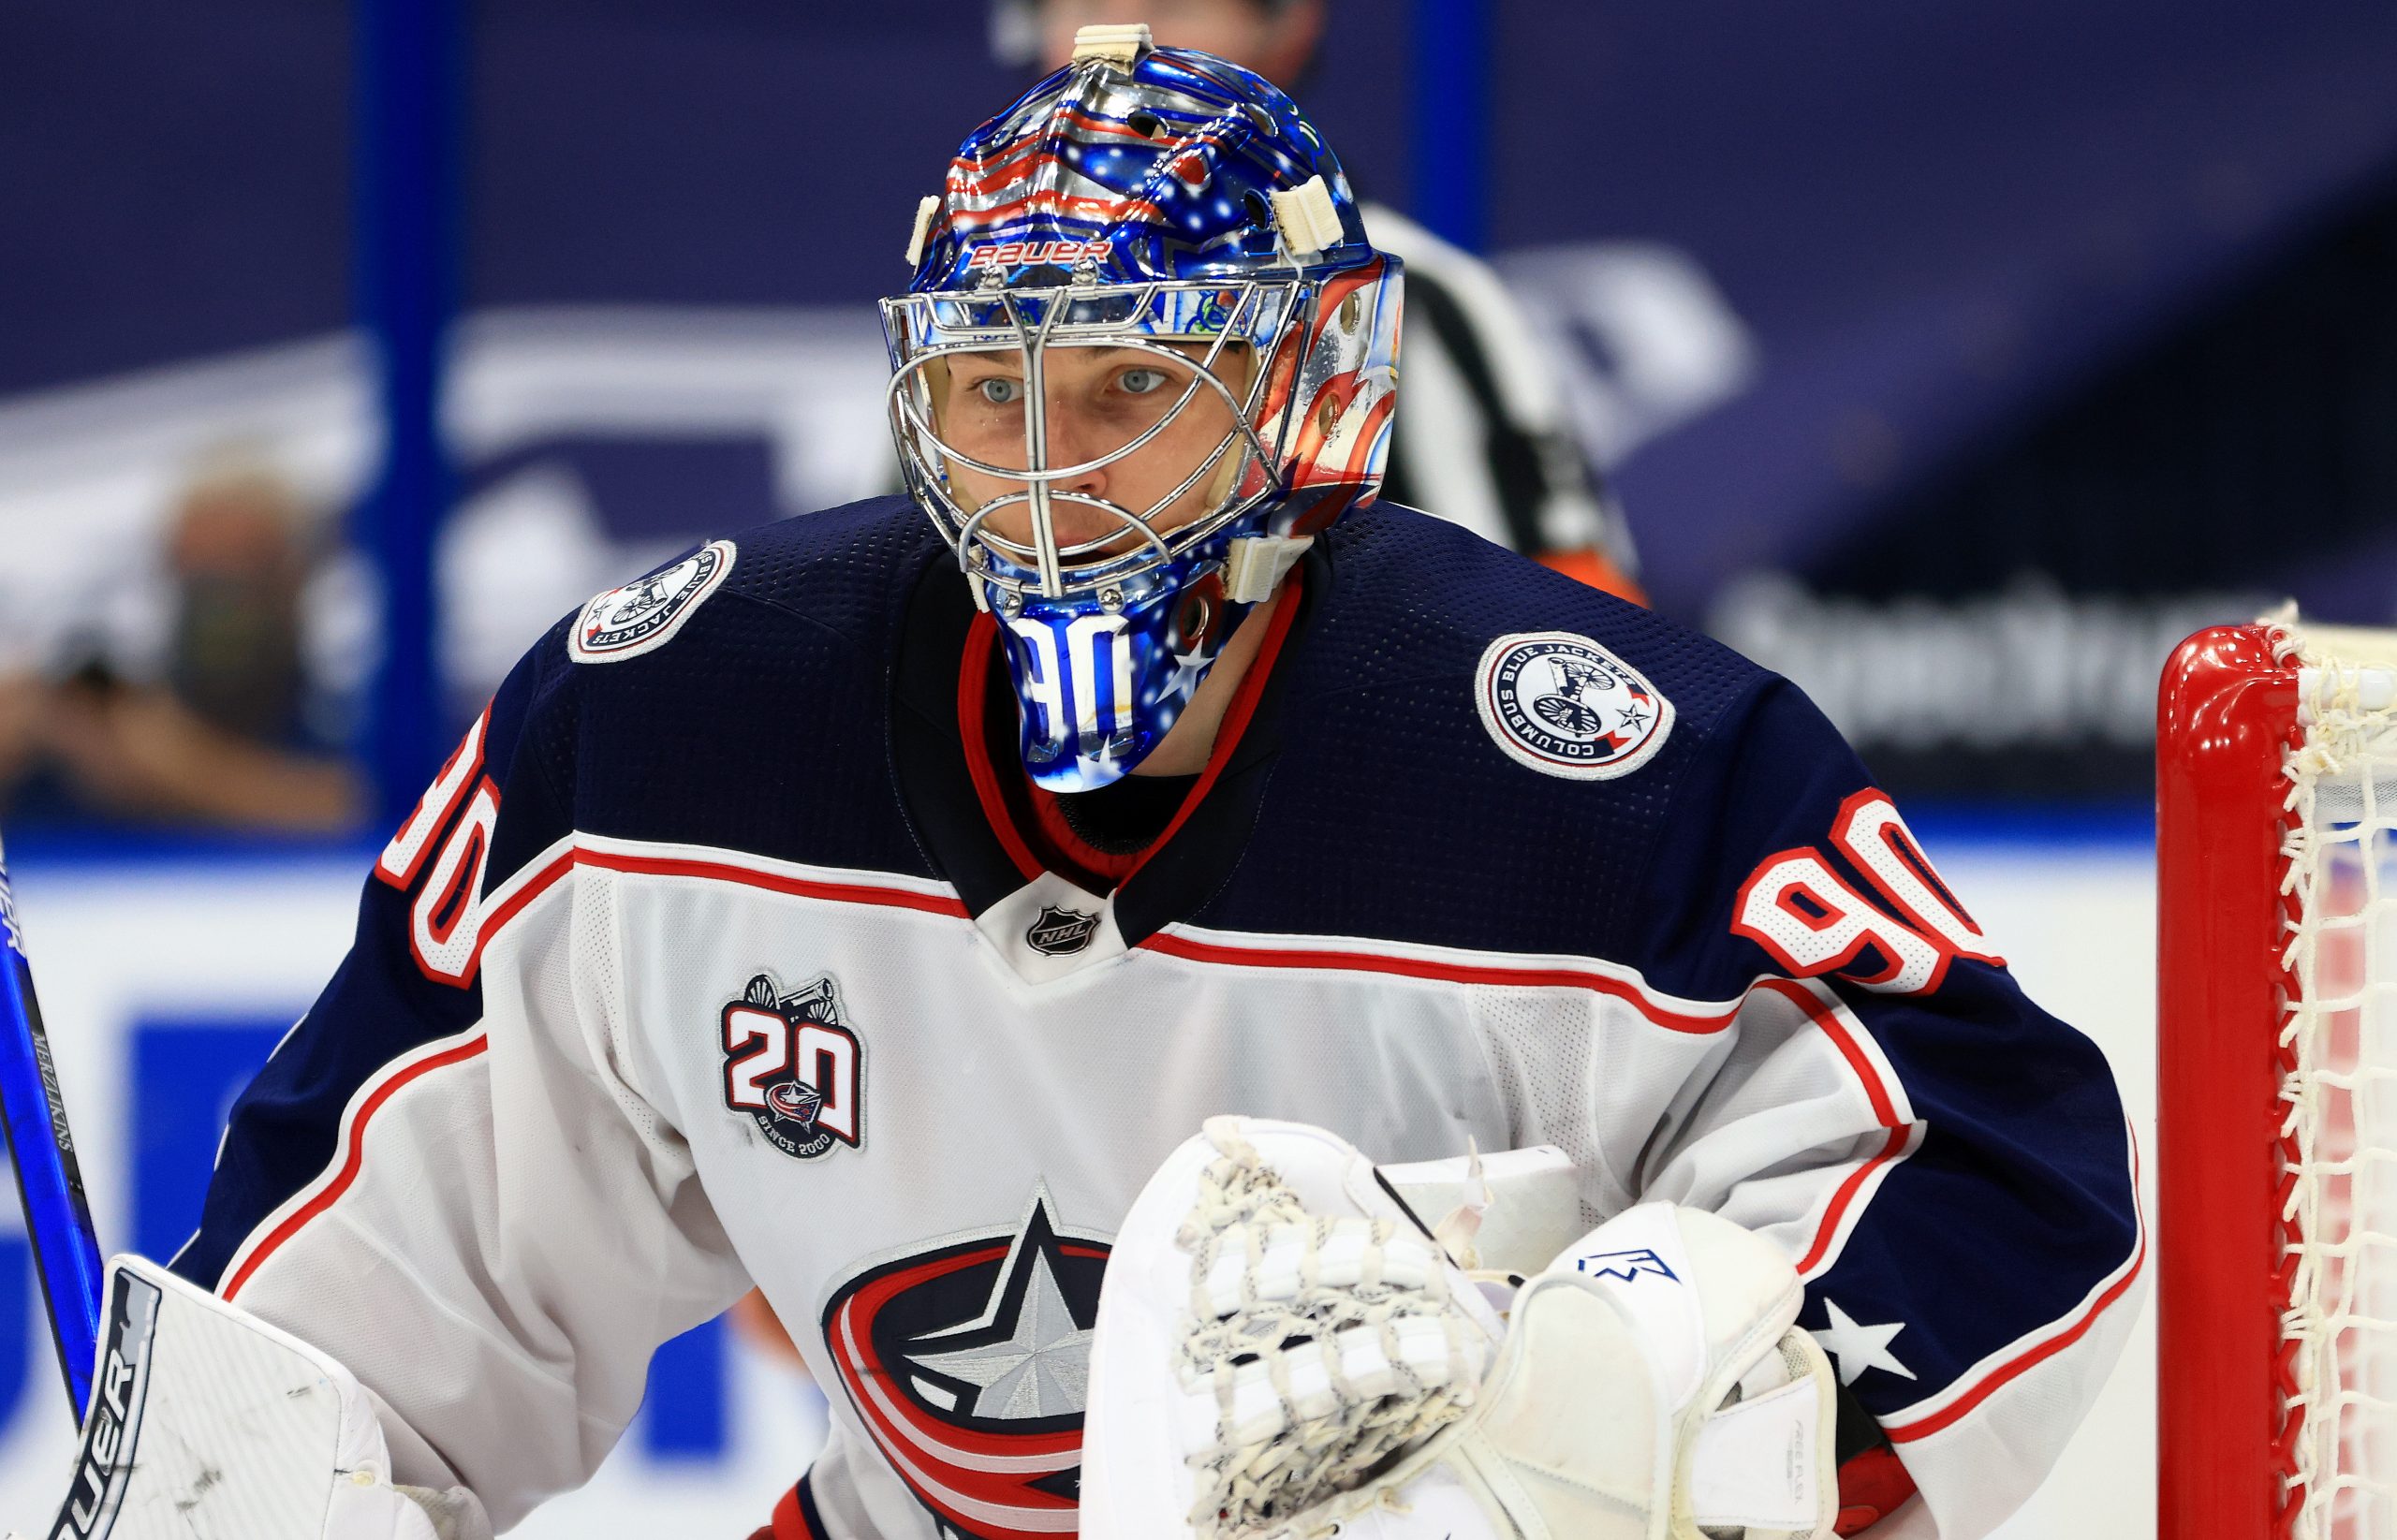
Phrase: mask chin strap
pixel 1257 564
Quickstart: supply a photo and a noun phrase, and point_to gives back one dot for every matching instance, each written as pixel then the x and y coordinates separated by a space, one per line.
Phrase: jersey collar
pixel 973 811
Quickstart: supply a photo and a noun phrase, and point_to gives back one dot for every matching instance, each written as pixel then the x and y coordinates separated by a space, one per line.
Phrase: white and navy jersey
pixel 731 947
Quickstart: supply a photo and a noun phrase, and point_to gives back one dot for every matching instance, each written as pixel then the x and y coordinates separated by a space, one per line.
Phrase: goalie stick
pixel 33 1113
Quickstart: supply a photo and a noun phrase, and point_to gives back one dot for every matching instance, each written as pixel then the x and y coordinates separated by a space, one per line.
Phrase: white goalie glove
pixel 1282 1348
pixel 208 1424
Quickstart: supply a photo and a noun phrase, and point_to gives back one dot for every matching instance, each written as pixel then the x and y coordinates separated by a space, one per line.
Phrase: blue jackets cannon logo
pixel 1565 706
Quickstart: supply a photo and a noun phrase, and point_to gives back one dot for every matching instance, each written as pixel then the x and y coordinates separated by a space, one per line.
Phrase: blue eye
pixel 1000 392
pixel 1142 382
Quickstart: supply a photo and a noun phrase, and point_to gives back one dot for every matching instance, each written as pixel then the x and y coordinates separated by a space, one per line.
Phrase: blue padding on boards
pixel 683 1416
pixel 407 153
pixel 1451 100
pixel 20 1332
pixel 185 1075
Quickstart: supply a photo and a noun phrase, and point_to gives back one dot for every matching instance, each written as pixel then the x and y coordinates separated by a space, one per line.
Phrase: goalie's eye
pixel 1000 389
pixel 1143 381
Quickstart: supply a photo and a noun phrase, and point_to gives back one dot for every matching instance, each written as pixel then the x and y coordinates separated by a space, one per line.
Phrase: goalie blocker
pixel 205 1423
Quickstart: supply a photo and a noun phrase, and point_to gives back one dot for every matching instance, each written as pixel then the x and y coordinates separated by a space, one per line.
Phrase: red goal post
pixel 2276 822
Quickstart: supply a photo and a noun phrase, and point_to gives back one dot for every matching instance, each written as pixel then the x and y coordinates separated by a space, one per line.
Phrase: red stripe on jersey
pixel 354 1155
pixel 514 904
pixel 973 695
pixel 1998 1378
pixel 774 882
pixel 1452 973
pixel 1826 1015
pixel 1243 706
pixel 1846 1194
pixel 795 1516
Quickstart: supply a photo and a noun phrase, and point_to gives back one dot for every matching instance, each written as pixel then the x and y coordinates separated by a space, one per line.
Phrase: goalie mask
pixel 1160 231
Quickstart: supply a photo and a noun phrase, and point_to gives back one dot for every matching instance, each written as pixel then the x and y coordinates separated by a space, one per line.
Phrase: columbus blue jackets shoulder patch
pixel 640 617
pixel 1565 706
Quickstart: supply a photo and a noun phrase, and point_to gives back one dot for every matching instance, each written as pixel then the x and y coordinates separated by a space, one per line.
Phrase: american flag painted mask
pixel 1159 202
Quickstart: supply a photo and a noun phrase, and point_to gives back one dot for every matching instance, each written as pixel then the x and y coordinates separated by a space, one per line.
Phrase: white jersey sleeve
pixel 449 1175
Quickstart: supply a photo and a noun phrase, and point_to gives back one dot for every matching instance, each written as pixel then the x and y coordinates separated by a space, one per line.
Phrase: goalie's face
pixel 1154 438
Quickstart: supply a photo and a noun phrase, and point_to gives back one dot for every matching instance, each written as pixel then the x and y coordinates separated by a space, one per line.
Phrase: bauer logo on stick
pixel 637 618
pixel 12 928
pixel 1565 706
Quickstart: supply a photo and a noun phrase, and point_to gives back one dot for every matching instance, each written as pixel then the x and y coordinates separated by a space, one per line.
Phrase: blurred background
pixel 1954 360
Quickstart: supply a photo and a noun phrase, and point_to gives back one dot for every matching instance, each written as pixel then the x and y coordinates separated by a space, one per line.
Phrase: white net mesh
pixel 2339 1058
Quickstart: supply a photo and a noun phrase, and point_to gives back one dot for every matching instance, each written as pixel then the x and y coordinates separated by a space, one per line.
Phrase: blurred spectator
pixel 1481 438
pixel 223 737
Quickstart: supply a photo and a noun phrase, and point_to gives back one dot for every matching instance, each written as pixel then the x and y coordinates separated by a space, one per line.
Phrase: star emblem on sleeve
pixel 1857 1347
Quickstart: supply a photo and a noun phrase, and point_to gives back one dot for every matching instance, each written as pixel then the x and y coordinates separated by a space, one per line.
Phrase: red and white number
pixel 446 843
pixel 404 857
pixel 1813 921
pixel 1875 837
pixel 446 921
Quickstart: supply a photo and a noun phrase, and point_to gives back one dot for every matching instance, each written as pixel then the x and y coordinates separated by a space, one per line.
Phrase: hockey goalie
pixel 1139 938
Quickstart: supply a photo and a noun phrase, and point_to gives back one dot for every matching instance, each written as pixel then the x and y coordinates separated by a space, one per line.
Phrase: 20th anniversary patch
pixel 1565 706
pixel 640 617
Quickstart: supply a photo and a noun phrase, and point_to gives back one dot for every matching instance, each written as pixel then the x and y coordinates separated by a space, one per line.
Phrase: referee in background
pixel 1481 438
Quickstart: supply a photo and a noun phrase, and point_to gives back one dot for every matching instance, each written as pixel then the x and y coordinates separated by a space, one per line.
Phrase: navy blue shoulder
pixel 759 723
pixel 1397 808
pixel 1415 596
pixel 845 569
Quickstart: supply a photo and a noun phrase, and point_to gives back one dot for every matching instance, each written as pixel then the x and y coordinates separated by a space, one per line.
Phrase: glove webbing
pixel 1310 1448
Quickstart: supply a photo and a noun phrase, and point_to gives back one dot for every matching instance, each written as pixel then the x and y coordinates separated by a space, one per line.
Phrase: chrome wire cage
pixel 1269 316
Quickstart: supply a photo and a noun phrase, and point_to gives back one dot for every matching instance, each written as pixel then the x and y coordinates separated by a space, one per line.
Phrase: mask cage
pixel 1267 316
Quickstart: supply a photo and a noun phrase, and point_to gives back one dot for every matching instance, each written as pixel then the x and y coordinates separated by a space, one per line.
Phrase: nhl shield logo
pixel 794 1067
pixel 1061 933
pixel 640 617
pixel 1565 706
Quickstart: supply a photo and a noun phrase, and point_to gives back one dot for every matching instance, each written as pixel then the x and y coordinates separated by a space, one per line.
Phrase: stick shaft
pixel 58 1218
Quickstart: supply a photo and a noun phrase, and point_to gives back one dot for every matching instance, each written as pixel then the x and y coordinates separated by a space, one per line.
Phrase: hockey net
pixel 2277 868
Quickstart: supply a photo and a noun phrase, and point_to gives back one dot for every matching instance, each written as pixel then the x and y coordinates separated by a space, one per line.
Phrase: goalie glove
pixel 1282 1348
pixel 208 1424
